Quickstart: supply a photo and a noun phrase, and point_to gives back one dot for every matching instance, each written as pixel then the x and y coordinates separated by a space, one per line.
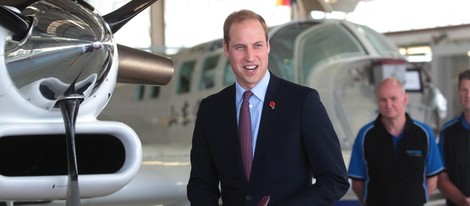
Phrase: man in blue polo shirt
pixel 395 159
pixel 454 143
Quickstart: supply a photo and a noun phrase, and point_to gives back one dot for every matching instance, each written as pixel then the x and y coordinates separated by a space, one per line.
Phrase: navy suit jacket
pixel 296 142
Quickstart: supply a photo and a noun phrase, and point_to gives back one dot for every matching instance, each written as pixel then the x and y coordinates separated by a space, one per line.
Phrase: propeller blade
pixel 14 22
pixel 121 16
pixel 19 4
pixel 86 4
pixel 141 67
pixel 69 105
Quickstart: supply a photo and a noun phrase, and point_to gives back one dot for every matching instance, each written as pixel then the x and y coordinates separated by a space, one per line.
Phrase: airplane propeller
pixel 157 69
pixel 91 58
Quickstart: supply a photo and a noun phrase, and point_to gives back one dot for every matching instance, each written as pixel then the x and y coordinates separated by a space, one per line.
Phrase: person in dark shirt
pixel 395 159
pixel 454 144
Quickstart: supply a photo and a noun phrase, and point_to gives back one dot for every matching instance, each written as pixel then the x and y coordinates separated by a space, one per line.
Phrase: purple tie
pixel 245 134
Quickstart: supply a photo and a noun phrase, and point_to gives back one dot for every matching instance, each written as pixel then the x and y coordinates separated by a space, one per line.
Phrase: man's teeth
pixel 250 67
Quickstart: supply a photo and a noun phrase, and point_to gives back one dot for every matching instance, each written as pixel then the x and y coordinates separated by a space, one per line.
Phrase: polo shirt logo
pixel 414 153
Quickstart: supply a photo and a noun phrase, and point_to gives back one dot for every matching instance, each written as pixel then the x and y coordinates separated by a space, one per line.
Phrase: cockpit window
pixel 323 43
pixel 282 50
pixel 297 49
pixel 382 45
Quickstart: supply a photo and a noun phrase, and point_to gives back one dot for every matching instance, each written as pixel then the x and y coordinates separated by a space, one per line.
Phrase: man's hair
pixel 464 75
pixel 393 80
pixel 240 16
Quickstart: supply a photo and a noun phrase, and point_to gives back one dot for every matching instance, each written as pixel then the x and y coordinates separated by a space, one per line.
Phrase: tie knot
pixel 246 95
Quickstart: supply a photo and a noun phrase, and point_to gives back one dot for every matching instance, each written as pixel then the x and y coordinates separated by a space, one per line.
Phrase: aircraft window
pixel 229 76
pixel 282 50
pixel 382 45
pixel 184 83
pixel 140 92
pixel 207 80
pixel 155 92
pixel 323 43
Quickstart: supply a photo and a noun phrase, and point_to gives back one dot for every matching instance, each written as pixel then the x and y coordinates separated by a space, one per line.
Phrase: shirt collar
pixel 464 122
pixel 259 90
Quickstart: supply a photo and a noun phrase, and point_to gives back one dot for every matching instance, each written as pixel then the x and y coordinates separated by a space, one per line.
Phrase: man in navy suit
pixel 293 140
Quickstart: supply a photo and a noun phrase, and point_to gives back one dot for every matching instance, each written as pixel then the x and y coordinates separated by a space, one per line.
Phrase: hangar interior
pixel 443 50
pixel 168 26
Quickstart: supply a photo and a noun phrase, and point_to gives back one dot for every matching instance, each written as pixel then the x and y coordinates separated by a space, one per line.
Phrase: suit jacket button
pixel 248 197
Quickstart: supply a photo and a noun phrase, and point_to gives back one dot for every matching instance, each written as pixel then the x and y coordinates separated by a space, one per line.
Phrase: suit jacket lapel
pixel 268 117
pixel 230 112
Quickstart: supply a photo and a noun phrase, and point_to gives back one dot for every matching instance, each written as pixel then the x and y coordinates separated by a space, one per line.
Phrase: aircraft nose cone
pixel 67 46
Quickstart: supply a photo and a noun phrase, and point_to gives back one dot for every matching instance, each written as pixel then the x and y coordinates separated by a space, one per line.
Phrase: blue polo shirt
pixel 393 169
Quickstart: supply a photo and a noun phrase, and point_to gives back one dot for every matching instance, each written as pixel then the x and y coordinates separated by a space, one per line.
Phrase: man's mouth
pixel 251 67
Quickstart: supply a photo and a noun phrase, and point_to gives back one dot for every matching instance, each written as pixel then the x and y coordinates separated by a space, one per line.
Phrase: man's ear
pixel 226 52
pixel 268 46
